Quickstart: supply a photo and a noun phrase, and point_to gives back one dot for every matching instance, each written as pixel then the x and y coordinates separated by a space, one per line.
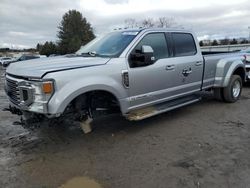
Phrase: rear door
pixel 188 63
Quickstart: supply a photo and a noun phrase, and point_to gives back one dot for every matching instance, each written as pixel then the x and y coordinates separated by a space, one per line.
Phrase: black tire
pixel 232 92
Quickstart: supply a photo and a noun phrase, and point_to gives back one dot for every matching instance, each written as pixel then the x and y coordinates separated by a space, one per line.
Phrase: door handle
pixel 198 63
pixel 170 67
pixel 186 72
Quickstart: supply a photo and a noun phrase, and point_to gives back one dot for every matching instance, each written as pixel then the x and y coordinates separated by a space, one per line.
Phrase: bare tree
pixel 166 22
pixel 148 22
pixel 131 23
pixel 162 22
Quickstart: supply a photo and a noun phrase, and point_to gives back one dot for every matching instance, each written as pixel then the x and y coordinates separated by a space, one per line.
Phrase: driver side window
pixel 158 43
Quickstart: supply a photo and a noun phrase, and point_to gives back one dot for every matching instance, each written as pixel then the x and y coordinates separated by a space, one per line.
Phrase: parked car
pixel 6 60
pixel 22 58
pixel 42 56
pixel 140 73
pixel 246 53
pixel 27 57
pixel 54 55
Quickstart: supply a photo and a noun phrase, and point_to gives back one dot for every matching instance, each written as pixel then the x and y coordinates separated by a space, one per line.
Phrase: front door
pixel 148 82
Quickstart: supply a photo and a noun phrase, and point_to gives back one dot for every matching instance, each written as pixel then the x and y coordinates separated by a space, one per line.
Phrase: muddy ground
pixel 203 145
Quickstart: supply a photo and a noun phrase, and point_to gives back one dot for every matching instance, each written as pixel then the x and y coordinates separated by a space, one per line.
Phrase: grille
pixel 13 91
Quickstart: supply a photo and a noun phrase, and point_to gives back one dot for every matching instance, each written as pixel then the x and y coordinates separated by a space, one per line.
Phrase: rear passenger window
pixel 184 44
pixel 157 41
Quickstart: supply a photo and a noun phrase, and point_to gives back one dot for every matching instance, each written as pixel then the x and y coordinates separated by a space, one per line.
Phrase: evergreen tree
pixel 74 31
pixel 39 47
pixel 234 41
pixel 48 48
pixel 201 43
pixel 214 43
pixel 225 41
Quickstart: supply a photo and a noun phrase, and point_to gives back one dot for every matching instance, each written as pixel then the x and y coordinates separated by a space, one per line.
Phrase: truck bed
pixel 211 60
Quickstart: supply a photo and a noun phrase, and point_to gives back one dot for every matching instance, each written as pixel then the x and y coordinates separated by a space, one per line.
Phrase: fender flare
pixel 225 69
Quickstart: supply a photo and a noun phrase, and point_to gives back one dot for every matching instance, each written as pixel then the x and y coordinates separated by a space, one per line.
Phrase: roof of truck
pixel 152 29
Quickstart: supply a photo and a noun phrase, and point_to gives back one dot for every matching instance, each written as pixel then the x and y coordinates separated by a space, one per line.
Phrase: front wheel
pixel 232 92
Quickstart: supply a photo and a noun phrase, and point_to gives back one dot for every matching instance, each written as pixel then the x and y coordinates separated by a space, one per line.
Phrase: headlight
pixel 43 90
pixel 35 94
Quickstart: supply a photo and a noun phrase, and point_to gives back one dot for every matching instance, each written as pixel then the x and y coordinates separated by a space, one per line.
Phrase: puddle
pixel 81 182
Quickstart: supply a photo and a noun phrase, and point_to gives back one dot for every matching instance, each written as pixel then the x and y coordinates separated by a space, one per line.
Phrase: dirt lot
pixel 203 145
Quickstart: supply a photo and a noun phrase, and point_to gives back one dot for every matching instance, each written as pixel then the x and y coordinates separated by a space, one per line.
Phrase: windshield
pixel 109 45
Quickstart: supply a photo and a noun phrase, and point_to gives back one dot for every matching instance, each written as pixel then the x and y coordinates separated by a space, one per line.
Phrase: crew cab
pixel 139 73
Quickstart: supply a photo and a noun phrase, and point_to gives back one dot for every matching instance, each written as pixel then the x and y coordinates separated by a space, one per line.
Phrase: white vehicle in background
pixel 23 57
pixel 246 53
pixel 6 60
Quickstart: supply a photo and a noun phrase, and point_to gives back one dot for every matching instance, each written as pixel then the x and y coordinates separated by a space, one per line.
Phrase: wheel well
pixel 241 72
pixel 93 101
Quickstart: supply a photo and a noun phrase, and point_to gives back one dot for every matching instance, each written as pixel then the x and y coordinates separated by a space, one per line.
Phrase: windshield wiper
pixel 93 54
pixel 89 54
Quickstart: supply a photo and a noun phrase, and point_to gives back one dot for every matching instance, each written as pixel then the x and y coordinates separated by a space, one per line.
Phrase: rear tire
pixel 232 92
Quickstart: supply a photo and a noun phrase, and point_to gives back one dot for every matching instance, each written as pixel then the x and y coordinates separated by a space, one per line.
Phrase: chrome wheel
pixel 236 89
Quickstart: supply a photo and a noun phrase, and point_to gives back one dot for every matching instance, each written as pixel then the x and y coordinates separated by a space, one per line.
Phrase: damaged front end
pixel 26 94
pixel 29 99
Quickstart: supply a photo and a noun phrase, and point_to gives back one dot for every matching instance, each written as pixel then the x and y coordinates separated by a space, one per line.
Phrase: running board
pixel 147 112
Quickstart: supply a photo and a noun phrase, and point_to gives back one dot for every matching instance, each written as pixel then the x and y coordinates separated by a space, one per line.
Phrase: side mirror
pixel 144 57
pixel 146 49
pixel 148 53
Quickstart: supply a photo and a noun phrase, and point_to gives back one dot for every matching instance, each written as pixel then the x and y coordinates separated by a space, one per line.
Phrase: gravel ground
pixel 202 145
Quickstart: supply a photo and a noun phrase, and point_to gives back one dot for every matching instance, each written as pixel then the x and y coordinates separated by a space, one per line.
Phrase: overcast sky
pixel 24 23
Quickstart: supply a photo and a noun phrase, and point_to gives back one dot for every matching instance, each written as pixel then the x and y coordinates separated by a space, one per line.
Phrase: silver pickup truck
pixel 139 73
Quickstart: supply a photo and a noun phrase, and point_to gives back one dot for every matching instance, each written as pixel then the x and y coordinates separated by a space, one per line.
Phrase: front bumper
pixel 24 97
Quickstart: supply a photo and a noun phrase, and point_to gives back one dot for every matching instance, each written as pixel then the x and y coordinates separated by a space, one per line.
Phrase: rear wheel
pixel 232 92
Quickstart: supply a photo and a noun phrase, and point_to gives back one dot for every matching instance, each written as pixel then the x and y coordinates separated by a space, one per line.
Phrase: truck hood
pixel 37 68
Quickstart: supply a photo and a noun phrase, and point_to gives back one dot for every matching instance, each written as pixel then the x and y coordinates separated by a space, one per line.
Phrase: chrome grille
pixel 13 91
